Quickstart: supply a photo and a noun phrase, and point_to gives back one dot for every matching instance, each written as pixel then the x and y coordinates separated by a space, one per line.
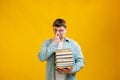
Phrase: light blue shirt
pixel 46 53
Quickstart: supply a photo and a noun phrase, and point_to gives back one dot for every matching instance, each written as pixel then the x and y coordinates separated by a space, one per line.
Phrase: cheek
pixel 61 33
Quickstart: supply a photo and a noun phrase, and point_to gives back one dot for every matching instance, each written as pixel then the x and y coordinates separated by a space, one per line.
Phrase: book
pixel 63 53
pixel 68 62
pixel 63 58
pixel 62 50
pixel 64 64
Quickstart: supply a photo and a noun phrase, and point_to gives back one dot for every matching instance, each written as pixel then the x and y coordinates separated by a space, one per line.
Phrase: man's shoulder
pixel 71 40
pixel 47 40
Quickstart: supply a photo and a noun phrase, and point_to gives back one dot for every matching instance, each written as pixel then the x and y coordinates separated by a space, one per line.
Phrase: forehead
pixel 59 27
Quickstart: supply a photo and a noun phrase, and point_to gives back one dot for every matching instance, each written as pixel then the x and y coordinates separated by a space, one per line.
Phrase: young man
pixel 60 41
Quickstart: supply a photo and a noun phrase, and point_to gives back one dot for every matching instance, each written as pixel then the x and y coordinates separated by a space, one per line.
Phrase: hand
pixel 64 70
pixel 56 39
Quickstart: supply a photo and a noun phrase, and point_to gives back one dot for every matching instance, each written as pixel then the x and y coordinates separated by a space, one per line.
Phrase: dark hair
pixel 59 23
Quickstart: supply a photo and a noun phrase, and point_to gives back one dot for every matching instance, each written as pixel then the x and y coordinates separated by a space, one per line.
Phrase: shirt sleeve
pixel 47 50
pixel 79 59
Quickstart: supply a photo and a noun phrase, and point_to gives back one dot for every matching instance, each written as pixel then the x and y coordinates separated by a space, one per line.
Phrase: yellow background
pixel 25 24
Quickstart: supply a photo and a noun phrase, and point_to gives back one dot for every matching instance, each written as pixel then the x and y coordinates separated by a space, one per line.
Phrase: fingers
pixel 65 70
pixel 59 70
pixel 56 38
pixel 56 34
pixel 69 68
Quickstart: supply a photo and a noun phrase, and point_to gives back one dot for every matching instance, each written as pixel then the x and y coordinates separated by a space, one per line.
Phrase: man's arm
pixel 79 59
pixel 46 50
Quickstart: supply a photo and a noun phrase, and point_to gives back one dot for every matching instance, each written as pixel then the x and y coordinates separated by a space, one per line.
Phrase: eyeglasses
pixel 58 30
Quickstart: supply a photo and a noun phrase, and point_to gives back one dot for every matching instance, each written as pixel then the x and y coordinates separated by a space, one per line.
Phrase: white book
pixel 64 56
pixel 66 64
pixel 64 59
pixel 63 53
pixel 63 50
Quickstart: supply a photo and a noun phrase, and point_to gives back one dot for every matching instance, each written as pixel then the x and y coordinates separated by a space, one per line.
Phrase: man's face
pixel 60 31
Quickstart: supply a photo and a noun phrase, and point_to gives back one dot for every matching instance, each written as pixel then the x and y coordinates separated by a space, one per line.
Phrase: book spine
pixel 69 64
pixel 63 60
pixel 63 53
pixel 64 56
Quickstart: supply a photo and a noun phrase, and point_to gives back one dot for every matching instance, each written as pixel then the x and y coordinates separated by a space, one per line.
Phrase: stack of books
pixel 63 58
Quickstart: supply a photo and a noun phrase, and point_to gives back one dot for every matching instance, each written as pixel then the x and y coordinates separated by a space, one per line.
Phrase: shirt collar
pixel 67 39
